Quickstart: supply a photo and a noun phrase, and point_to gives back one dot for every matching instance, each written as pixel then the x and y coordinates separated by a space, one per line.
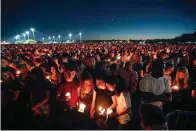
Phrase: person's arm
pixel 150 97
pixel 142 73
pixel 134 82
pixel 16 95
pixel 42 102
pixel 78 90
pixel 125 106
pixel 59 91
pixel 92 110
pixel 113 106
pixel 193 94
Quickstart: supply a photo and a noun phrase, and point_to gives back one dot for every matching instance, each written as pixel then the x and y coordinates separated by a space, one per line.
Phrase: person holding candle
pixel 168 70
pixel 39 89
pixel 22 73
pixel 123 108
pixel 102 98
pixel 155 88
pixel 182 90
pixel 85 92
pixel 67 97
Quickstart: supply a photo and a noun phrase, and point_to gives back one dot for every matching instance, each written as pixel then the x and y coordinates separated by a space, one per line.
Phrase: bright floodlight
pixel 27 32
pixel 24 34
pixel 80 33
pixel 43 38
pixel 32 29
pixel 70 35
pixel 59 36
pixel 53 36
pixel 49 37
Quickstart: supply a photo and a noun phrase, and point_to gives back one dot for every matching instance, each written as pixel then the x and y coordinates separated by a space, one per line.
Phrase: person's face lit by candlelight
pixel 53 70
pixel 69 75
pixel 181 75
pixel 100 84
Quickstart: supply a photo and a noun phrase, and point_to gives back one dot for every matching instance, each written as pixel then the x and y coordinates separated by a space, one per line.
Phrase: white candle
pixel 82 107
pixel 101 110
pixel 175 87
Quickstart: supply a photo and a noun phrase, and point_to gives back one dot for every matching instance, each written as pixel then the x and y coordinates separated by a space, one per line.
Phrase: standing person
pixel 155 88
pixel 10 94
pixel 102 100
pixel 133 77
pixel 85 92
pixel 90 63
pixel 123 103
pixel 55 79
pixel 152 118
pixel 138 67
pixel 182 94
pixel 168 70
pixel 39 89
pixel 22 73
pixel 67 97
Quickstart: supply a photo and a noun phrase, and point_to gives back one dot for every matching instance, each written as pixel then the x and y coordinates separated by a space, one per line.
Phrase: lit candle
pixel 68 94
pixel 118 57
pixel 81 108
pixel 175 87
pixel 101 110
pixel 48 77
pixel 109 111
pixel 18 72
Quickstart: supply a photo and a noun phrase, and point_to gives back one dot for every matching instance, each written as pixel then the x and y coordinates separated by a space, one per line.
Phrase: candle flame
pixel 109 111
pixel 175 87
pixel 18 72
pixel 68 94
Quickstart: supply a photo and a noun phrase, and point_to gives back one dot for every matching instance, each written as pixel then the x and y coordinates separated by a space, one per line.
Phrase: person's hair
pixel 168 65
pixel 71 65
pixel 152 115
pixel 157 68
pixel 24 69
pixel 37 73
pixel 111 80
pixel 183 70
pixel 85 76
pixel 55 67
pixel 11 76
pixel 114 67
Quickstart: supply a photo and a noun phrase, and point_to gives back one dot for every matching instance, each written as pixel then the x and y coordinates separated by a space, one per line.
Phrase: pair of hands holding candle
pixel 105 112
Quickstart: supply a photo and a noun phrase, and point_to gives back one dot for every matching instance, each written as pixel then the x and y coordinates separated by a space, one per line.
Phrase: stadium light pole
pixel 59 38
pixel 19 37
pixel 80 36
pixel 54 38
pixel 49 38
pixel 70 36
pixel 33 30
pixel 27 34
pixel 24 36
pixel 16 37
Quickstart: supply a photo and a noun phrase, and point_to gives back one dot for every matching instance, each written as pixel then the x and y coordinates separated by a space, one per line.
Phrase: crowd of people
pixel 95 86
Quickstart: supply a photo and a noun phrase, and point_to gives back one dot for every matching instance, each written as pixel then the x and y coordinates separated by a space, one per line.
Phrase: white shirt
pixel 123 101
pixel 156 86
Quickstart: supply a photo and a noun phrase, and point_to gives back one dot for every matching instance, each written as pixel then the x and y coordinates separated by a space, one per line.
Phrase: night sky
pixel 99 19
